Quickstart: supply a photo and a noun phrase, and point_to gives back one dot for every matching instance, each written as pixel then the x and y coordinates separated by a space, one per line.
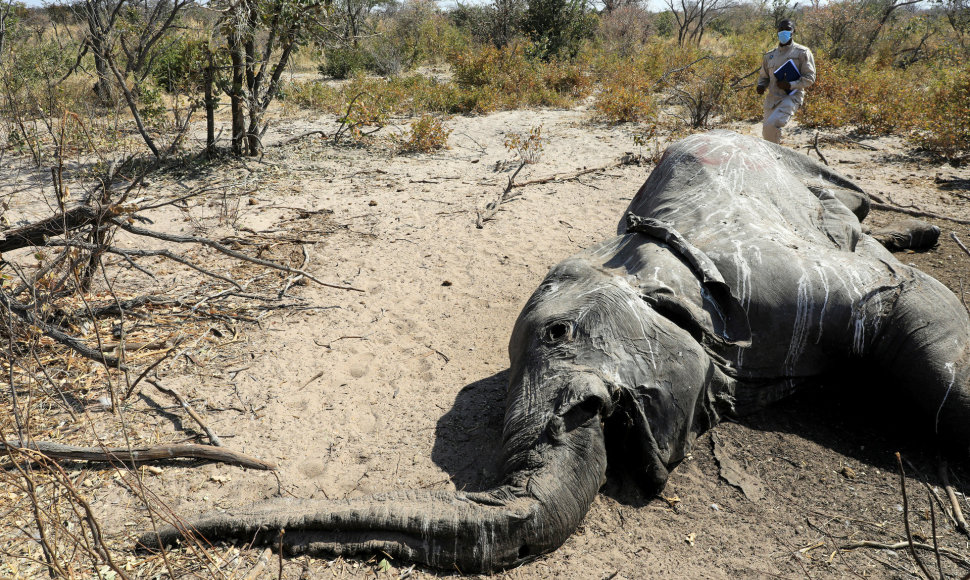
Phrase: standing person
pixel 784 97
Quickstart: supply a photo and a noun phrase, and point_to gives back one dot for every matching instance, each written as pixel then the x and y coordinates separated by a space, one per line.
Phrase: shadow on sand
pixel 857 417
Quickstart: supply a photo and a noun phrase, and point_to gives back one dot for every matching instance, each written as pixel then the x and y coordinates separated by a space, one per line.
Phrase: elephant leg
pixel 908 234
pixel 925 347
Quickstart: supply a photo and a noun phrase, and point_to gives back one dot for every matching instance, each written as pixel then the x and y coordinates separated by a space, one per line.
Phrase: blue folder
pixel 788 72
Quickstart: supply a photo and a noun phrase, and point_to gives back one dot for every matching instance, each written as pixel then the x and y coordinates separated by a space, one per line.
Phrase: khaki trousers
pixel 777 117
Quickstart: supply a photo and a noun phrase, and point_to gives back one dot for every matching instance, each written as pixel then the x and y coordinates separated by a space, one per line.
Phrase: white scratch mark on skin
pixel 953 379
pixel 803 314
pixel 743 271
pixel 821 315
pixel 859 331
pixel 743 285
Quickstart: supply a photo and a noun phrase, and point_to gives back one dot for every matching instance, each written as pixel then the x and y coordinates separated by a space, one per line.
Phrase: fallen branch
pixel 213 438
pixel 492 207
pixel 961 522
pixel 955 556
pixel 909 533
pixel 628 159
pixel 224 250
pixel 25 314
pixel 844 139
pixel 916 212
pixel 953 235
pixel 57 451
pixel 300 136
pixel 36 234
pixel 819 151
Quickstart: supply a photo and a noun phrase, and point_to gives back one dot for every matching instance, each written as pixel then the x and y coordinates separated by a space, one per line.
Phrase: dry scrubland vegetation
pixel 106 93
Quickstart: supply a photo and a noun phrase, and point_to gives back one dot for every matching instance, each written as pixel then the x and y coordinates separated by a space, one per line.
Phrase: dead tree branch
pixel 213 438
pixel 492 207
pixel 909 534
pixel 961 522
pixel 25 314
pixel 224 250
pixel 57 451
pixel 917 212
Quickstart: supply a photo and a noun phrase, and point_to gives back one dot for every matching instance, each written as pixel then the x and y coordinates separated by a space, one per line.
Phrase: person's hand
pixel 760 89
pixel 784 85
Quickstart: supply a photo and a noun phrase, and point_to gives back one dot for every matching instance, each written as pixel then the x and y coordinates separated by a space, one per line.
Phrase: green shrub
pixel 558 27
pixel 344 62
pixel 503 78
pixel 180 65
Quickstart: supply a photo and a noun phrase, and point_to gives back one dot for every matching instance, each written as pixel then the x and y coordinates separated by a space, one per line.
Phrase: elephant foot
pixel 910 234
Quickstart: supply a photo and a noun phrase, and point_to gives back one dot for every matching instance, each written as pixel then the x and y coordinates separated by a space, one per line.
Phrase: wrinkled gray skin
pixel 741 275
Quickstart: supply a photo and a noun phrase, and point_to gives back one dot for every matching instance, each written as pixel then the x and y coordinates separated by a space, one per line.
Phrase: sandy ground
pixel 400 385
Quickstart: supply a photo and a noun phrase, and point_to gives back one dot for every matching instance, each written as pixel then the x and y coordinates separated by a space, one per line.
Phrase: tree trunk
pixel 102 86
pixel 236 95
pixel 210 104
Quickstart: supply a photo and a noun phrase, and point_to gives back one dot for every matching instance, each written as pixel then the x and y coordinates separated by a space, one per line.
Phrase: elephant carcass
pixel 740 273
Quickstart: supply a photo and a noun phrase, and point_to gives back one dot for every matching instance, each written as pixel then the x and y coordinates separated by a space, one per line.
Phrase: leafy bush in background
pixel 557 27
pixel 344 62
pixel 868 100
pixel 180 65
pixel 944 121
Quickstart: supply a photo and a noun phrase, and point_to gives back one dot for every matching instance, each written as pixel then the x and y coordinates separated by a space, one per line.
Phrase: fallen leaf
pixel 218 478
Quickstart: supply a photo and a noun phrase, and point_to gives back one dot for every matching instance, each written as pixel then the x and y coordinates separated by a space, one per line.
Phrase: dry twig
pixel 915 212
pixel 140 454
pixel 961 522
pixel 909 533
pixel 213 438
pixel 492 207
pixel 959 243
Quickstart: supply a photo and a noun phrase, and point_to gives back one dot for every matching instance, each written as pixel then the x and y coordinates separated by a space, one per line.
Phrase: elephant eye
pixel 558 332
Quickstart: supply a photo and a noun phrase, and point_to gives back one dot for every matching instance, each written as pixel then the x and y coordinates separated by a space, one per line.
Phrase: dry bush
pixel 506 78
pixel 427 134
pixel 868 100
pixel 943 126
pixel 626 96
pixel 625 30
pixel 528 146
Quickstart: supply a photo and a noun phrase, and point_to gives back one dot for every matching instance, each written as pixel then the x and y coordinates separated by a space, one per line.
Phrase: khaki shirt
pixel 803 59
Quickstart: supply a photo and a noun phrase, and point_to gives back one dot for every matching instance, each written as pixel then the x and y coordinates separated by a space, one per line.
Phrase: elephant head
pixel 600 354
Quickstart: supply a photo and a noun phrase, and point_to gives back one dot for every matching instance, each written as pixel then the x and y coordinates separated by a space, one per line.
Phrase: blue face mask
pixel 784 36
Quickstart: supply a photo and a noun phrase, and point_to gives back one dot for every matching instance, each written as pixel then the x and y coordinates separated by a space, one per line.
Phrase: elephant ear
pixel 722 321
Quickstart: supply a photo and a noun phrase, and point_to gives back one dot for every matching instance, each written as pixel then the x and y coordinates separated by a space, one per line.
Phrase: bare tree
pixel 100 17
pixel 124 54
pixel 610 5
pixel 261 37
pixel 693 16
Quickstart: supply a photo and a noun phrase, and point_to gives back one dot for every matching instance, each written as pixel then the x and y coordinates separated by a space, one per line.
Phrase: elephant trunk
pixel 531 514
